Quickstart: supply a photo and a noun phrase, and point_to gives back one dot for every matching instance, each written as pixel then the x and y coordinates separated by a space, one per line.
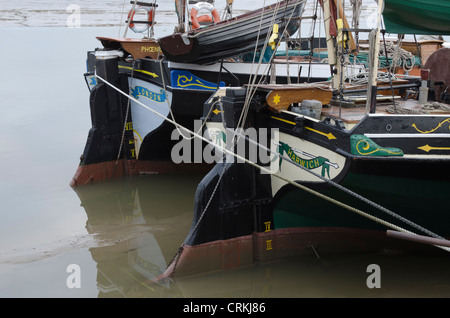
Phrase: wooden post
pixel 331 47
pixel 330 41
pixel 181 12
pixel 373 73
pixel 351 40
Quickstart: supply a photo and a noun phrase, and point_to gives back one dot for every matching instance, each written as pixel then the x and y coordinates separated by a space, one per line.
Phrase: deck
pixel 353 115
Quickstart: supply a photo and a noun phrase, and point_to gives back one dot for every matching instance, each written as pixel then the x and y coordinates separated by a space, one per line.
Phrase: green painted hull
pixel 430 17
pixel 424 202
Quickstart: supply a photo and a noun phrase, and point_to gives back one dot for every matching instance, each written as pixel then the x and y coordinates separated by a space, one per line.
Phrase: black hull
pixel 237 206
pixel 232 37
pixel 109 110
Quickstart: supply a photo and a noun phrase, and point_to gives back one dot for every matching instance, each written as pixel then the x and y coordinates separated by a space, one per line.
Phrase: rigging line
pixel 252 88
pixel 170 107
pixel 299 37
pixel 151 29
pixel 112 283
pixel 389 71
pixel 201 216
pixel 125 123
pixel 252 79
pixel 313 27
pixel 273 54
pixel 121 18
pixel 133 8
pixel 265 170
pixel 274 15
pixel 344 189
pixel 219 180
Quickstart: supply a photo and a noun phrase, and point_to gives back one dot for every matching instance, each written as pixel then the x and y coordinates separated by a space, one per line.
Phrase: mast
pixel 228 12
pixel 345 44
pixel 340 42
pixel 180 6
pixel 329 22
pixel 373 67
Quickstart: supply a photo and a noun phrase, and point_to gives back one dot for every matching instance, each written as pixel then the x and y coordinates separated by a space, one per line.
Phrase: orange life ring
pixel 143 26
pixel 204 18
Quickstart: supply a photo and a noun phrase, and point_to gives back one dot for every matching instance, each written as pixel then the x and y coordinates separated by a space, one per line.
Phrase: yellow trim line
pixel 284 120
pixel 330 136
pixel 141 71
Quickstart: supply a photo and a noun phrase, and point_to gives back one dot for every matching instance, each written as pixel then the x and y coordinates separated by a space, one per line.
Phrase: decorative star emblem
pixel 276 99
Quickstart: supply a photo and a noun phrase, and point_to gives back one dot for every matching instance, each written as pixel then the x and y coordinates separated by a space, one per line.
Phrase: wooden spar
pixel 331 28
pixel 280 97
pixel 418 238
pixel 227 14
pixel 181 12
pixel 346 25
pixel 328 19
pixel 340 42
pixel 373 71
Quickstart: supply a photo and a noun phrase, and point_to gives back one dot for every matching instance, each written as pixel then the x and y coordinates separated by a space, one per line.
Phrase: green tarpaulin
pixel 431 17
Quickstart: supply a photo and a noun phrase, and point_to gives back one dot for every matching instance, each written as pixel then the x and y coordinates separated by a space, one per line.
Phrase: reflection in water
pixel 139 224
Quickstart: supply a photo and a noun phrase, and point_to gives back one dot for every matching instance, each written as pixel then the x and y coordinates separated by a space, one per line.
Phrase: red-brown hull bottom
pixel 99 172
pixel 280 244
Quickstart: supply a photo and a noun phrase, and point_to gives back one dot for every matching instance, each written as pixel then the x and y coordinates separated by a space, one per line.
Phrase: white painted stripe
pixel 410 115
pixel 442 157
pixel 407 135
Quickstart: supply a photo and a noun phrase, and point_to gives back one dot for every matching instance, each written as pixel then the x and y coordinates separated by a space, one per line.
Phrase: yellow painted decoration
pixel 284 120
pixel 267 224
pixel 274 36
pixel 151 49
pixel 184 81
pixel 428 148
pixel 276 99
pixel 330 136
pixel 341 38
pixel 432 130
pixel 269 245
pixel 140 71
pixel 364 146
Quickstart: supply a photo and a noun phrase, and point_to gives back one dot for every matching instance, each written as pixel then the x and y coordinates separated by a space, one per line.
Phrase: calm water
pixel 122 234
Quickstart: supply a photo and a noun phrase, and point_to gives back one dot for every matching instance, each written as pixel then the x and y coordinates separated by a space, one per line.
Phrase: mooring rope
pixel 265 170
pixel 249 95
pixel 350 192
